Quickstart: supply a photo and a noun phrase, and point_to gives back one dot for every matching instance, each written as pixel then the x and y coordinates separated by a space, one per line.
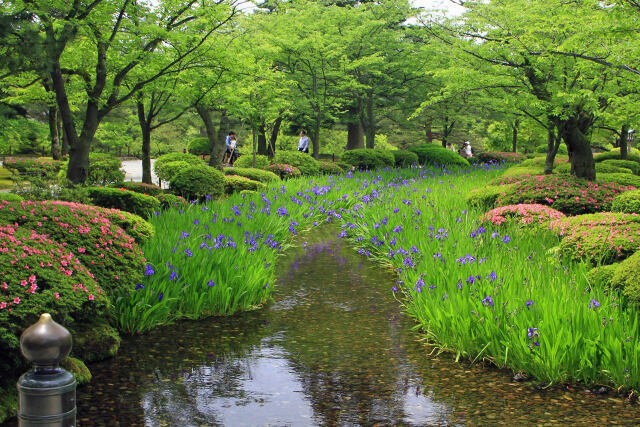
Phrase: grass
pixel 481 291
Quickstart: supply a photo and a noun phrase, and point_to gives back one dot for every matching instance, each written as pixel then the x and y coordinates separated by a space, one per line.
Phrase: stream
pixel 334 348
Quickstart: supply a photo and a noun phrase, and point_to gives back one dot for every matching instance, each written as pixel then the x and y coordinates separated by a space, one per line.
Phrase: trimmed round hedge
pixel 170 201
pixel 193 160
pixel 404 158
pixel 198 182
pixel 304 162
pixel 199 146
pixel 330 168
pixel 236 184
pixel 542 148
pixel 125 200
pixel 104 169
pixel 627 202
pixel 484 198
pixel 141 187
pixel 246 161
pixel 628 164
pixel 369 159
pixel 252 173
pixel 600 238
pixel 141 230
pixel 602 275
pixel 633 155
pixel 627 278
pixel 166 171
pixel 431 154
pixel 112 256
pixel 620 179
pixel 605 167
pixel 40 275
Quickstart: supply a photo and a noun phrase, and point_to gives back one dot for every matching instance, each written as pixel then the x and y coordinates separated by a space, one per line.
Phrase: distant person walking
pixel 231 152
pixel 466 151
pixel 303 144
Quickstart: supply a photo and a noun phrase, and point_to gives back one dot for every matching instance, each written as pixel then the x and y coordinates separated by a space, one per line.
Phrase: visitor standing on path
pixel 231 152
pixel 303 144
pixel 466 151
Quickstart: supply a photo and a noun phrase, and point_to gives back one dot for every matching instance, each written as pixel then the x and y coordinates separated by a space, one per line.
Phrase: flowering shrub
pixel 141 187
pixel 39 275
pixel 30 168
pixel 304 162
pixel 284 170
pixel 602 238
pixel 330 168
pixel 125 200
pixel 234 184
pixel 111 255
pixel 497 157
pixel 627 202
pixel 170 201
pixel 567 194
pixel 523 214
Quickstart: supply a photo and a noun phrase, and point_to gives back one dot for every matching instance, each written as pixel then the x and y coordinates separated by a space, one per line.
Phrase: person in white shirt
pixel 231 152
pixel 466 150
pixel 303 144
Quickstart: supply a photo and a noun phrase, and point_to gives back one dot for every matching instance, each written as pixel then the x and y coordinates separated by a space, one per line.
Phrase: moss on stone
pixel 94 342
pixel 78 369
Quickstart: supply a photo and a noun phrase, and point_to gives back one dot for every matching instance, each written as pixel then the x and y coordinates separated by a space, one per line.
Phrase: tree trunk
pixel 262 140
pixel 624 144
pixel 355 136
pixel 216 144
pixel 371 125
pixel 514 138
pixel 64 151
pixel 274 137
pixel 553 143
pixel 574 134
pixel 145 128
pixel 428 131
pixel 254 138
pixel 78 169
pixel 316 136
pixel 53 132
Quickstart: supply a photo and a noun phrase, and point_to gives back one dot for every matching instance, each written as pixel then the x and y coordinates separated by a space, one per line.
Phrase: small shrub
pixel 285 171
pixel 628 164
pixel 601 238
pixel 304 162
pixel 523 214
pixel 112 256
pixel 330 168
pixel 633 154
pixel 33 168
pixel 168 170
pixel 104 169
pixel 602 275
pixel 40 275
pixel 141 230
pixel 249 193
pixel 193 160
pixel 620 179
pixel 141 187
pixel 125 200
pixel 198 182
pixel 431 154
pixel 262 162
pixel 254 174
pixel 404 158
pixel 170 201
pixel 627 278
pixel 607 167
pixel 627 202
pixel 235 184
pixel 570 195
pixel 369 159
pixel 10 197
pixel 344 166
pixel 484 198
pixel 199 146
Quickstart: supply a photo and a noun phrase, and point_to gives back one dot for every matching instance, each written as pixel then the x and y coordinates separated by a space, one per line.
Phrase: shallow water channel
pixel 333 349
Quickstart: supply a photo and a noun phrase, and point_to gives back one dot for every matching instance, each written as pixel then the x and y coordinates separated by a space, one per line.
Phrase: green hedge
pixel 620 178
pixel 628 164
pixel 431 154
pixel 606 167
pixel 125 200
pixel 484 198
pixel 404 158
pixel 246 161
pixel 236 184
pixel 170 201
pixel 304 162
pixel 140 187
pixel 166 171
pixel 627 278
pixel 633 155
pixel 199 146
pixel 254 174
pixel 562 149
pixel 601 276
pixel 627 202
pixel 193 160
pixel 330 168
pixel 141 230
pixel 10 197
pixel 198 182
pixel 369 159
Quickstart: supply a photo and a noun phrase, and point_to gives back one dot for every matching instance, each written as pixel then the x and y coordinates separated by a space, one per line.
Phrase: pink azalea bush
pixel 284 170
pixel 524 214
pixel 601 238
